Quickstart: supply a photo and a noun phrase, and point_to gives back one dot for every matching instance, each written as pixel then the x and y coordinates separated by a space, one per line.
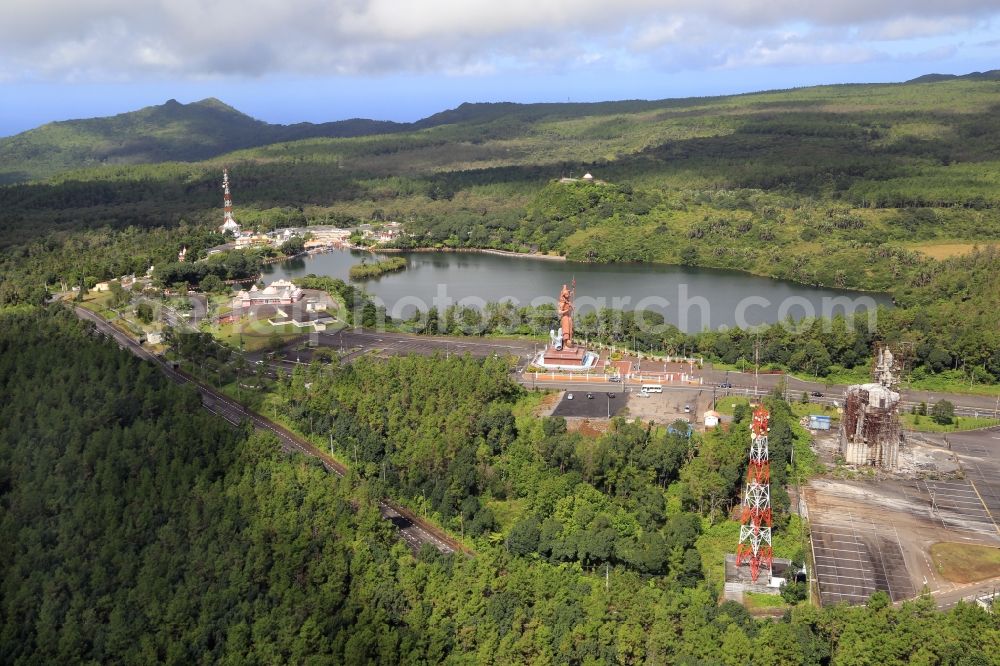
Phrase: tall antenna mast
pixel 755 523
pixel 228 223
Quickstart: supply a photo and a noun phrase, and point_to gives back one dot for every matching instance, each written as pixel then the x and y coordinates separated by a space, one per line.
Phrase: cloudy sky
pixel 294 60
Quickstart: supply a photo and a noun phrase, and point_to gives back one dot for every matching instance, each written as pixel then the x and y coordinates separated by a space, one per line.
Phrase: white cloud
pixel 914 27
pixel 799 53
pixel 116 39
pixel 659 34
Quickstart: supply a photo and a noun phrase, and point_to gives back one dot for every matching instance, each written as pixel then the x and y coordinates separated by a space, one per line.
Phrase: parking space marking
pixel 853 561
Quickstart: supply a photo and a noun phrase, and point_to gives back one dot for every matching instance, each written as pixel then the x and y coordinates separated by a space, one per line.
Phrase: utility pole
pixel 756 364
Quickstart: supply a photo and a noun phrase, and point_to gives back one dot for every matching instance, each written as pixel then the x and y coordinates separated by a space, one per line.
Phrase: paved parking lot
pixel 854 558
pixel 979 454
pixel 955 501
pixel 396 344
pixel 597 407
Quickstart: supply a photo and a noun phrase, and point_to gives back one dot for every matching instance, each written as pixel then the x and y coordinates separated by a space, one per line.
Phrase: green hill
pixel 169 132
pixel 990 75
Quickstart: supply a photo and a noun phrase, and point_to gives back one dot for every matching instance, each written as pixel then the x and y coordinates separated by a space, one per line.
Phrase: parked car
pixel 569 396
pixel 590 396
pixel 687 409
pixel 616 379
pixel 817 394
pixel 726 385
pixel 611 395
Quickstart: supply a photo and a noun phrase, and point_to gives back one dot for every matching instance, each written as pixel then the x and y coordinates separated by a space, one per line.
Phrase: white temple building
pixel 279 292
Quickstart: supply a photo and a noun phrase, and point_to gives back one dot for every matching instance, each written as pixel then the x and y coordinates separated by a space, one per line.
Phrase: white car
pixel 569 396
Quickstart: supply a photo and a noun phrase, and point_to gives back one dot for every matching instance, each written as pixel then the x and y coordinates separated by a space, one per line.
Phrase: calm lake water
pixel 691 298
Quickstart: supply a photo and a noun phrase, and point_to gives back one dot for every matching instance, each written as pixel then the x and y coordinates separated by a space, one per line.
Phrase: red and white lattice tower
pixel 755 523
pixel 228 223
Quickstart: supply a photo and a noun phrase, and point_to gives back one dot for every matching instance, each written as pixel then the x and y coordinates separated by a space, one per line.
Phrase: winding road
pixel 413 530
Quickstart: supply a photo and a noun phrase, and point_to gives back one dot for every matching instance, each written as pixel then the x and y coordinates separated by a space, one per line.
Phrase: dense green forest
pixel 447 436
pixel 139 528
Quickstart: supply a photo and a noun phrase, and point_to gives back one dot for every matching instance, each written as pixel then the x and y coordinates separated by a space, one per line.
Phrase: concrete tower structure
pixel 870 432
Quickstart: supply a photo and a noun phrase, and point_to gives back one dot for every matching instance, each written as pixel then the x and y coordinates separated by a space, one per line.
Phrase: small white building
pixel 711 418
pixel 279 292
pixel 246 240
pixel 102 286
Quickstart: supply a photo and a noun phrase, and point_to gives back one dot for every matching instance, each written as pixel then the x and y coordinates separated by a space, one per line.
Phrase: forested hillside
pixel 170 131
pixel 138 528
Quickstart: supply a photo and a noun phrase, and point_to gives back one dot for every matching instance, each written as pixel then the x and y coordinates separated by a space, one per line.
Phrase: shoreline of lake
pixel 473 250
pixel 691 298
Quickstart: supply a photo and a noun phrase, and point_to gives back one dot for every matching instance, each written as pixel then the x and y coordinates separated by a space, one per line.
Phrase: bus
pixel 652 388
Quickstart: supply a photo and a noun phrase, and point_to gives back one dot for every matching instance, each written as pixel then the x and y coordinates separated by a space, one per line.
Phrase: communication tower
pixel 228 223
pixel 755 522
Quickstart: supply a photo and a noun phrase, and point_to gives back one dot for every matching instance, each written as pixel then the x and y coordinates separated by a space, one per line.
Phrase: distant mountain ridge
pixel 990 75
pixel 201 130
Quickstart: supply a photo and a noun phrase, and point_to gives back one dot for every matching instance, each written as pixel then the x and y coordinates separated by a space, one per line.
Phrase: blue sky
pixel 317 60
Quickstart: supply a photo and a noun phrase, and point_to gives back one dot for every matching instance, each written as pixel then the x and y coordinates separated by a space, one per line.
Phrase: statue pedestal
pixel 574 356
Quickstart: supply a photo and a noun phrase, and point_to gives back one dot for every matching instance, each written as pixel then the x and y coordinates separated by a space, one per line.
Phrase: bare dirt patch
pixel 547 404
pixel 587 428
pixel 965 563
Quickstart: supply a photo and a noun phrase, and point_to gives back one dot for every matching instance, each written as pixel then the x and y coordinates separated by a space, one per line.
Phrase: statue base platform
pixel 573 358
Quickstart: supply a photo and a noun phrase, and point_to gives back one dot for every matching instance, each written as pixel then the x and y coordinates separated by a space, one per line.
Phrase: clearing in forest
pixel 945 250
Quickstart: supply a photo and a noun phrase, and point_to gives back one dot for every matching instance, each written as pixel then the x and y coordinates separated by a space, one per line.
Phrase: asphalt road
pixel 744 382
pixel 356 342
pixel 414 531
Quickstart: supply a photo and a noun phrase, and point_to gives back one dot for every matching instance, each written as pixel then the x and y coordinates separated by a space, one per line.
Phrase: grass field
pixel 926 424
pixel 755 601
pixel 95 301
pixel 965 563
pixel 257 337
pixel 800 409
pixel 946 250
